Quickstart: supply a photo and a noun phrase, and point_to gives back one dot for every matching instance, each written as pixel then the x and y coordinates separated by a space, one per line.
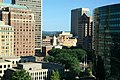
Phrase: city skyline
pixel 51 8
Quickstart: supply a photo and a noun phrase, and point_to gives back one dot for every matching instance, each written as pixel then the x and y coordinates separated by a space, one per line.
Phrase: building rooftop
pixel 13 6
pixel 2 61
pixel 30 64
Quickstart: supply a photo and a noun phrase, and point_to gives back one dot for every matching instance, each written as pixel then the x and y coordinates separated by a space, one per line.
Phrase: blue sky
pixel 57 13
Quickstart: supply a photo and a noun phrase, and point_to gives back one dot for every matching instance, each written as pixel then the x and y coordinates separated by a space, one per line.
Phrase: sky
pixel 56 14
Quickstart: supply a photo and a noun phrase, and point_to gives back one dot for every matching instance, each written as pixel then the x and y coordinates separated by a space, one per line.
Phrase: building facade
pixel 81 27
pixel 36 7
pixel 6 40
pixel 66 39
pixel 35 71
pixel 47 41
pixel 85 31
pixel 107 41
pixel 22 20
pixel 4 65
pixel 75 14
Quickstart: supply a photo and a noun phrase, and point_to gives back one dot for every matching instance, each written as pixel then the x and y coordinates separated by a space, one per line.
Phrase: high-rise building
pixel 6 40
pixel 85 31
pixel 107 41
pixel 22 19
pixel 75 14
pixel 81 27
pixel 36 7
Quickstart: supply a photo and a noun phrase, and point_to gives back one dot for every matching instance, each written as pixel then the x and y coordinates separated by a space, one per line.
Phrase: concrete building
pixel 47 41
pixel 66 39
pixel 13 60
pixel 35 71
pixel 6 40
pixel 36 7
pixel 22 19
pixel 22 59
pixel 75 14
pixel 107 41
pixel 45 50
pixel 4 65
pixel 38 71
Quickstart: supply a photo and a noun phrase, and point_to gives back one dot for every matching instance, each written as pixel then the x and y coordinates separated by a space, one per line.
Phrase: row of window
pixel 4 66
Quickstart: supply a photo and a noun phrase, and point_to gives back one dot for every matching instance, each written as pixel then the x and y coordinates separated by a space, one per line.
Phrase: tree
pixel 21 75
pixel 55 75
pixel 49 58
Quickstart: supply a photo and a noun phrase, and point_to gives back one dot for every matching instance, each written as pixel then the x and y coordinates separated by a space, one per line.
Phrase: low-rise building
pixel 35 71
pixel 66 39
pixel 47 41
pixel 53 66
pixel 4 65
pixel 45 50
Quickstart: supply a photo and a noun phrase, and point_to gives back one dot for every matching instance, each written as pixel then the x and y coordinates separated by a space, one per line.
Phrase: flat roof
pixel 30 63
pixel 13 6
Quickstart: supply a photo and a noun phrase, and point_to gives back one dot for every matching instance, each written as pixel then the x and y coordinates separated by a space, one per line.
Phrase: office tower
pixel 107 41
pixel 75 14
pixel 6 40
pixel 22 19
pixel 36 7
pixel 85 31
pixel 81 26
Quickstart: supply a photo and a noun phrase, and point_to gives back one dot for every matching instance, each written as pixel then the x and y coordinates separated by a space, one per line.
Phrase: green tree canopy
pixel 21 75
pixel 78 53
pixel 55 75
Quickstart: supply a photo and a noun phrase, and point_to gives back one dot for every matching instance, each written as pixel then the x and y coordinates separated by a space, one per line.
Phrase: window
pixel 0 66
pixel 30 68
pixel 0 71
pixel 8 65
pixel 4 66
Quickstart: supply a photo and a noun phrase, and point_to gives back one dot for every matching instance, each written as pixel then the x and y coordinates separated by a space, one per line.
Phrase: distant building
pixel 47 41
pixel 81 27
pixel 45 50
pixel 107 41
pixel 85 31
pixel 66 39
pixel 54 41
pixel 36 7
pixel 23 22
pixel 75 14
pixel 6 40
pixel 4 65
pixel 58 41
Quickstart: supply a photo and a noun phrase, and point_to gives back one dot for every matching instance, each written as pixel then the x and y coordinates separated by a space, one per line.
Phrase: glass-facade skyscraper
pixel 107 41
